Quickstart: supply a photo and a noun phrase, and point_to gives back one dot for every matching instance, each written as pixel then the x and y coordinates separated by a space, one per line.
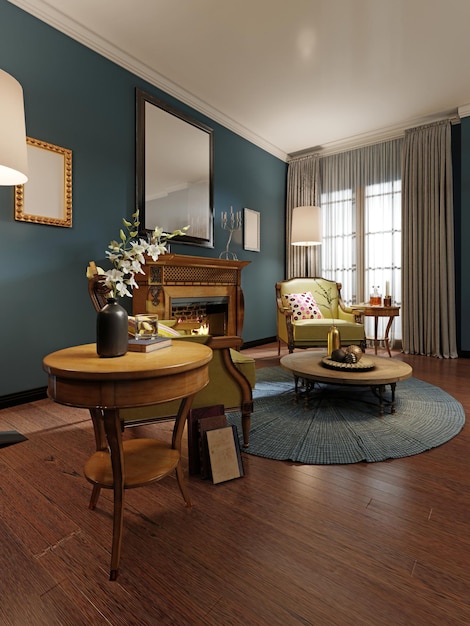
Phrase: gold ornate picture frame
pixel 47 196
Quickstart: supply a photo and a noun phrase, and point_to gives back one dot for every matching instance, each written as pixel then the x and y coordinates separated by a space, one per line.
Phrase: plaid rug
pixel 341 423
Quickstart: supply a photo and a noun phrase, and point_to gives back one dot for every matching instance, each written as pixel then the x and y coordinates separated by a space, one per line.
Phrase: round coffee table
pixel 309 367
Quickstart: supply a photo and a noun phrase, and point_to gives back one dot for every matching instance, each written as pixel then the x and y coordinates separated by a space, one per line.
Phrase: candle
pixel 387 288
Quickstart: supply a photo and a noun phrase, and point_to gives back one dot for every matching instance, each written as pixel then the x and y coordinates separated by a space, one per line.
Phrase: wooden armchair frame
pixel 344 316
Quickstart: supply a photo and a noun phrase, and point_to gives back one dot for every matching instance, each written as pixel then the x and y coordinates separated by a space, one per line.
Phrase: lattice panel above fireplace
pixel 192 275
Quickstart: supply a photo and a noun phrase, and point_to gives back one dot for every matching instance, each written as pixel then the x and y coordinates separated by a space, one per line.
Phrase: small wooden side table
pixel 377 311
pixel 77 376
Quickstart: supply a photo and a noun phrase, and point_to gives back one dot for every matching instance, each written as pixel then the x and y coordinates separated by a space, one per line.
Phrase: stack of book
pixel 148 345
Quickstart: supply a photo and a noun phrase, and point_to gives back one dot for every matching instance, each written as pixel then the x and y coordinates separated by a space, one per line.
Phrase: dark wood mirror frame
pixel 193 237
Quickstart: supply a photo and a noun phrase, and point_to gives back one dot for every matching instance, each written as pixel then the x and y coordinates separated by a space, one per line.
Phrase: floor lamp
pixel 13 162
pixel 306 228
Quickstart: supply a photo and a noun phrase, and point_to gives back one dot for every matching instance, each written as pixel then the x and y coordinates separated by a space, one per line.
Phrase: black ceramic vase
pixel 112 329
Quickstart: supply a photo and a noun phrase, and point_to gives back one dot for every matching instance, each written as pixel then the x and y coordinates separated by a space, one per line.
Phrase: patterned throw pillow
pixel 167 331
pixel 303 305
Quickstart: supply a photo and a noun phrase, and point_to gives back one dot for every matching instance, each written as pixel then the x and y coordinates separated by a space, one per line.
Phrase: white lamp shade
pixel 13 151
pixel 306 226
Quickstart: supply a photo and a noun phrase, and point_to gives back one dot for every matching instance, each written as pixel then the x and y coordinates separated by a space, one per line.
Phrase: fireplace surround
pixel 176 280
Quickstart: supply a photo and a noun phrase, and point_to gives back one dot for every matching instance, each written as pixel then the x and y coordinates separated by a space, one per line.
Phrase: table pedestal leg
pixel 381 400
pixel 112 427
pixel 181 420
pixel 296 388
pixel 378 391
pixel 393 387
pixel 376 330
pixel 386 335
pixel 387 331
pixel 101 444
pixel 307 385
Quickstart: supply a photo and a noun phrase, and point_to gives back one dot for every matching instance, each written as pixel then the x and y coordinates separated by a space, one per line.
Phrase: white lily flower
pixel 129 255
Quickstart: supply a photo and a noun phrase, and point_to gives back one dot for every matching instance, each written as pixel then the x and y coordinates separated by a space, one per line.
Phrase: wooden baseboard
pixel 23 397
pixel 258 342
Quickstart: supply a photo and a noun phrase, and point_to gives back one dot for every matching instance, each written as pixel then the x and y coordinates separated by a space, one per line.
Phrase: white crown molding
pixel 370 138
pixel 44 12
pixel 464 110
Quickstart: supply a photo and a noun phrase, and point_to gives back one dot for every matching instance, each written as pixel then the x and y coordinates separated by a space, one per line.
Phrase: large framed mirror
pixel 174 171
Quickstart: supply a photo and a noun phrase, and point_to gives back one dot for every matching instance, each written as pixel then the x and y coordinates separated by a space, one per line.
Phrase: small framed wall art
pixel 47 196
pixel 251 230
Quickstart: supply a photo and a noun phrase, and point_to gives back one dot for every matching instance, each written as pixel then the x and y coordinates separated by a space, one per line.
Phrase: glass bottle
pixel 375 297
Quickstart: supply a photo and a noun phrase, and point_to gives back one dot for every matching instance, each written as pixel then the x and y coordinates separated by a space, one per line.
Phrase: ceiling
pixel 290 76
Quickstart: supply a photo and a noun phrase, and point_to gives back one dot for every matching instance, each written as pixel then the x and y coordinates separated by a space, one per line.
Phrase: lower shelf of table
pixel 145 461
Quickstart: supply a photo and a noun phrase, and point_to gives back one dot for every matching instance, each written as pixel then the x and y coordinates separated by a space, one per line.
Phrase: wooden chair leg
pixel 246 424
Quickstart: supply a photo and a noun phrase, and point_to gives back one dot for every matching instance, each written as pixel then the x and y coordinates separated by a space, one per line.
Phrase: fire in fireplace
pixel 192 313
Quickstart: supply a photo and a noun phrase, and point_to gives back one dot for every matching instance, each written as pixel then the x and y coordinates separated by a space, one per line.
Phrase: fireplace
pixel 203 287
pixel 191 313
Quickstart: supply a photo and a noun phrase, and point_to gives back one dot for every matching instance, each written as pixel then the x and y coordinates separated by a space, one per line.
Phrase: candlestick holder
pixel 230 222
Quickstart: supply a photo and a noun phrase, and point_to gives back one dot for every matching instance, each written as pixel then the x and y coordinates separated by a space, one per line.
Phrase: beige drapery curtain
pixel 428 290
pixel 302 190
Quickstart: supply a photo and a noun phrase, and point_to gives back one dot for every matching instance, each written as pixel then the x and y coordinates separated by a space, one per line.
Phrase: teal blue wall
pixel 77 99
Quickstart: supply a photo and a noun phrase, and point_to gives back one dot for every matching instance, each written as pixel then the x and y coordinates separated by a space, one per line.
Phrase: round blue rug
pixel 341 424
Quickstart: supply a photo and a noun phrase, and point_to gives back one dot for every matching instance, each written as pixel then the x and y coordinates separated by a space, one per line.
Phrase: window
pixel 361 214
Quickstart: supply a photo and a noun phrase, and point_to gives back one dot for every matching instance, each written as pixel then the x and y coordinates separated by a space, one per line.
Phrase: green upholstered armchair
pixel 231 380
pixel 304 321
pixel 232 375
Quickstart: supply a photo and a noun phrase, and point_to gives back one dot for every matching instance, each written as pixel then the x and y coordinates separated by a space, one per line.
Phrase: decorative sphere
pixel 350 357
pixel 354 350
pixel 338 355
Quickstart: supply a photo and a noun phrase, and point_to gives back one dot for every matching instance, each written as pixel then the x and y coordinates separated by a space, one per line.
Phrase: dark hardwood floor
pixel 364 544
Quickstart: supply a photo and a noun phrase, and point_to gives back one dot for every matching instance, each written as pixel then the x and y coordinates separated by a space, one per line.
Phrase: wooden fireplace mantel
pixel 175 276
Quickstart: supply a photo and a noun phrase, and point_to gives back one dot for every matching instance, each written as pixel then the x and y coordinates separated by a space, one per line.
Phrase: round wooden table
pixel 386 371
pixel 378 311
pixel 77 376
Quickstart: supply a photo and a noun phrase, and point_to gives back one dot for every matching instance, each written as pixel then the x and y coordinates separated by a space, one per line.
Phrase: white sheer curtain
pixel 302 185
pixel 360 197
pixel 361 193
